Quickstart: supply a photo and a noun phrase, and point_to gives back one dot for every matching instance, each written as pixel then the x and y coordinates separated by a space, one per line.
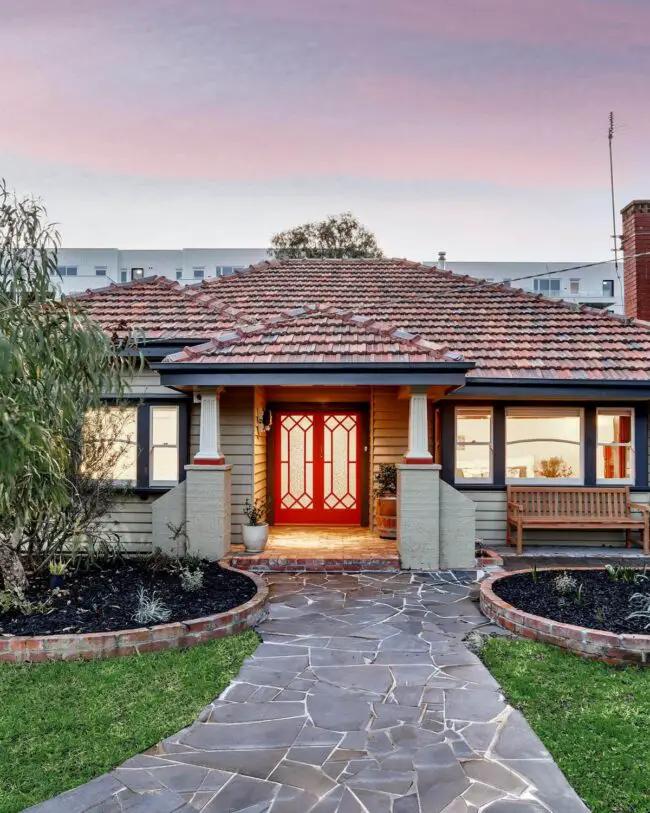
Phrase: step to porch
pixel 299 549
pixel 280 564
pixel 570 556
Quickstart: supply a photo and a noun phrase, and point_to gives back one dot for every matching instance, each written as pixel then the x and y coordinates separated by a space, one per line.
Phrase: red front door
pixel 317 475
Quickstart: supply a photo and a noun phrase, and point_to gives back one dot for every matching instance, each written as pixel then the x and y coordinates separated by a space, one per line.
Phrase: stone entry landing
pixel 333 549
pixel 361 699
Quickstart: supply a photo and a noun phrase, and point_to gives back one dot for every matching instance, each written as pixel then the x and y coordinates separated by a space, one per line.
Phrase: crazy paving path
pixel 362 699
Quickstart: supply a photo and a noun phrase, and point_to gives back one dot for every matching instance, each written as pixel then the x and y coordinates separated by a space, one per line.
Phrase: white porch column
pixel 209 453
pixel 418 450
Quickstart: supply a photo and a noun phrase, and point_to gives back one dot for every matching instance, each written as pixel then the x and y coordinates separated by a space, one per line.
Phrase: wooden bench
pixel 569 508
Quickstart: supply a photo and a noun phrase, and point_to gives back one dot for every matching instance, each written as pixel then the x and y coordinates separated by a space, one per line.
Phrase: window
pixel 137 273
pixel 574 286
pixel 550 287
pixel 68 270
pixel 608 287
pixel 179 273
pixel 198 272
pixel 163 445
pixel 544 443
pixel 123 276
pixel 110 436
pixel 100 270
pixel 615 446
pixel 473 444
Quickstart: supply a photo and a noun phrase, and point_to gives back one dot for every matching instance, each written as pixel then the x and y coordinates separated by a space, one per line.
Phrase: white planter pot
pixel 255 537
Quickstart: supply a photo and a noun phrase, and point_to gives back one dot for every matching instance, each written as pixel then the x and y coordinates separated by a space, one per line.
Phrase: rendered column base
pixel 418 515
pixel 208 499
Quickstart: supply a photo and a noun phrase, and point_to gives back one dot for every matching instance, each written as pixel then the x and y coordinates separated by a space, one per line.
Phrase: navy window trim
pixel 448 440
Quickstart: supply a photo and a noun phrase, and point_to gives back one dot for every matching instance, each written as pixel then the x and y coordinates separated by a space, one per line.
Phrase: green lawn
pixel 593 718
pixel 61 724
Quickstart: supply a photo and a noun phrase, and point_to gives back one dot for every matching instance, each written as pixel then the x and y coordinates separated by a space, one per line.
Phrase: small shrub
pixel 151 609
pixel 159 560
pixel 642 602
pixel 386 480
pixel 10 601
pixel 564 584
pixel 534 575
pixel 190 561
pixel 578 595
pixel 191 580
pixel 58 568
pixel 475 642
pixel 256 511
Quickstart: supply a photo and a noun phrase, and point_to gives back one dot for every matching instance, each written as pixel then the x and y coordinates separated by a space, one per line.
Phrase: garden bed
pixel 590 615
pixel 99 620
pixel 104 599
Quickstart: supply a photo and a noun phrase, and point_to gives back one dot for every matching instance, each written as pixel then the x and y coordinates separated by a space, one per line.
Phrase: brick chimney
pixel 636 273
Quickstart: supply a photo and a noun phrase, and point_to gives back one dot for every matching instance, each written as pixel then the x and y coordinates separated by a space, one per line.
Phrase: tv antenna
pixel 610 137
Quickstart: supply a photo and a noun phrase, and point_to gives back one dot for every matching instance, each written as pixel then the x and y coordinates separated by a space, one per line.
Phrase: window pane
pixel 473 439
pixel 615 427
pixel 110 436
pixel 543 444
pixel 608 287
pixel 164 464
pixel 614 463
pixel 164 426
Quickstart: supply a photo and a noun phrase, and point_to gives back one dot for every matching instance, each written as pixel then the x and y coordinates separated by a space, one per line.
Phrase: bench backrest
pixel 590 503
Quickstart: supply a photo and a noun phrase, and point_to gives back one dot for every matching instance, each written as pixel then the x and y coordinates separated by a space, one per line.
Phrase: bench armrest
pixel 639 506
pixel 514 508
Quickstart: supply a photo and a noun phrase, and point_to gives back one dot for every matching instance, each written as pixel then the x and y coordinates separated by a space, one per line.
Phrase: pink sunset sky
pixel 474 126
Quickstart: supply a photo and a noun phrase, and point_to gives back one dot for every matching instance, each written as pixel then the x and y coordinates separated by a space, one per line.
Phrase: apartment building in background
pixel 84 269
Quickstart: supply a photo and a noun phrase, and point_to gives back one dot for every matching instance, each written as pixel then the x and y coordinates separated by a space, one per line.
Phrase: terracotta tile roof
pixel 310 334
pixel 507 332
pixel 159 309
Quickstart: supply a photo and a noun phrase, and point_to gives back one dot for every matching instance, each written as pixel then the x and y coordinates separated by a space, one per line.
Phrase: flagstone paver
pixel 362 699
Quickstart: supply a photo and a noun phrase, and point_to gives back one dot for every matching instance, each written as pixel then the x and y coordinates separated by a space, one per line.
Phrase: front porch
pixel 325 548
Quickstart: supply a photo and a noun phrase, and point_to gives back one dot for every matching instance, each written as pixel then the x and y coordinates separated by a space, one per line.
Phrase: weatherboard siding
pixel 259 447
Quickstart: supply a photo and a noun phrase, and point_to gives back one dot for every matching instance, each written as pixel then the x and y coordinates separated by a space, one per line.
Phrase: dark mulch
pixel 603 604
pixel 104 598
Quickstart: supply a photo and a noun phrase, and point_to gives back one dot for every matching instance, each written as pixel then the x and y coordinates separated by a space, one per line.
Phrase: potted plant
pixel 255 533
pixel 386 501
pixel 57 572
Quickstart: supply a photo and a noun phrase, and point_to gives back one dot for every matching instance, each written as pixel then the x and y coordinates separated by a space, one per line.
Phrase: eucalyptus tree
pixel 338 237
pixel 55 363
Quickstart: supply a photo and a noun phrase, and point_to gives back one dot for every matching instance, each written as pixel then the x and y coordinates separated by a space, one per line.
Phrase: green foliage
pixel 580 708
pixel 337 237
pixel 55 364
pixel 625 573
pixel 386 480
pixel 58 568
pixel 256 511
pixel 64 723
pixel 10 601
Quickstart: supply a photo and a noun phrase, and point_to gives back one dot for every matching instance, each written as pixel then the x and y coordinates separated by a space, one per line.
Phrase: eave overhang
pixel 187 374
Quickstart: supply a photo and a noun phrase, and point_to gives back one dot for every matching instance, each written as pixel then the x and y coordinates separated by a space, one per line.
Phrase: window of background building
pixel 198 272
pixel 550 287
pixel 544 443
pixel 473 444
pixel 574 286
pixel 615 445
pixel 179 273
pixel 100 270
pixel 123 276
pixel 67 270
pixel 608 287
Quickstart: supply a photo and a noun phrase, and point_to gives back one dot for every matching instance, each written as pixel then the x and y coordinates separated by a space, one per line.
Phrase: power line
pixel 575 268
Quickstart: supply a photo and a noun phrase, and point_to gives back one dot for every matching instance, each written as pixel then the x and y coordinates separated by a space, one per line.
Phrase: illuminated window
pixel 615 446
pixel 110 444
pixel 544 444
pixel 473 445
pixel 163 447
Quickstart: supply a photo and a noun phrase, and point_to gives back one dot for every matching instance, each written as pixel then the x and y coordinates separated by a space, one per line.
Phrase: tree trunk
pixel 13 572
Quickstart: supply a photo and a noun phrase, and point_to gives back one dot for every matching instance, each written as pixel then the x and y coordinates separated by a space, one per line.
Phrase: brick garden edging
pixel 491 557
pixel 15 649
pixel 609 647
